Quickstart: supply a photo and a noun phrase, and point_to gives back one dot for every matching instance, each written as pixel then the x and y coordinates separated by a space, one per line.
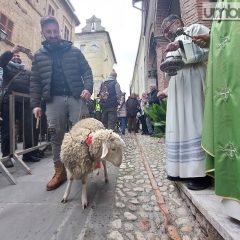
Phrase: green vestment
pixel 221 128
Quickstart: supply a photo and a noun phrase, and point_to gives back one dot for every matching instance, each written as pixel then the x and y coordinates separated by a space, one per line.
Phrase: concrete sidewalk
pixel 29 212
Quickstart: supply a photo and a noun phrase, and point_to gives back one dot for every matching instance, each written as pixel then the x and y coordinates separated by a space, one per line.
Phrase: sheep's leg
pixel 84 192
pixel 67 191
pixel 105 170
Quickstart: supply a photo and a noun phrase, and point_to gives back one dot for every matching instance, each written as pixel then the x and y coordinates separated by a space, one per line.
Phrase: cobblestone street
pixel 138 203
pixel 137 213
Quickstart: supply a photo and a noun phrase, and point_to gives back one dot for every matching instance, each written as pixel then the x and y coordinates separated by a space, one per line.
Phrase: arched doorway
pixel 152 62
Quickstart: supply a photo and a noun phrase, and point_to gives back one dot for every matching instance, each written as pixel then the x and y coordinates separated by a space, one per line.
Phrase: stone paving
pixel 137 215
pixel 125 208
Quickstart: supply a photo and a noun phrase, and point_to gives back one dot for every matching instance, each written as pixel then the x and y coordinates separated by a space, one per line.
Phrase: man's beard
pixel 19 61
pixel 53 41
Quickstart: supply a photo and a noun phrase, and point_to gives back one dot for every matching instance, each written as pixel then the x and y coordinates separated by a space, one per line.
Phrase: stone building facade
pixel 95 43
pixel 21 20
pixel 152 43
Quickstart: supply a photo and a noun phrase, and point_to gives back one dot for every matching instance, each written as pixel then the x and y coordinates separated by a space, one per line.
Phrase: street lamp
pixel 3 35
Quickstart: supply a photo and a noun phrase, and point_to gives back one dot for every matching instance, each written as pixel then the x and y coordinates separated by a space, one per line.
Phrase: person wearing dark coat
pixel 152 95
pixel 133 107
pixel 152 99
pixel 110 94
pixel 16 78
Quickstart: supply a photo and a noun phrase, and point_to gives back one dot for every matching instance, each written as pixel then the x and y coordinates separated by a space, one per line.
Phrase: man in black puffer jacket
pixel 62 77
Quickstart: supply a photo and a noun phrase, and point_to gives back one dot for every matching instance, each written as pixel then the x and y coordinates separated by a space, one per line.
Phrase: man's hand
pixel 85 94
pixel 202 40
pixel 37 111
pixel 16 49
pixel 161 95
pixel 173 46
pixel 30 55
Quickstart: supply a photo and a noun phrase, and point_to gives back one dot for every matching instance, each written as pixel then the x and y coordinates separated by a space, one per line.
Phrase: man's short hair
pixel 113 74
pixel 48 19
pixel 170 18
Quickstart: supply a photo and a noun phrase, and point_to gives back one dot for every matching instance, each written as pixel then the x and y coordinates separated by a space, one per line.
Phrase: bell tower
pixel 95 43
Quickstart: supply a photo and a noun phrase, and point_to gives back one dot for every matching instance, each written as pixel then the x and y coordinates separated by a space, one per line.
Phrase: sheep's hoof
pixel 64 200
pixel 85 205
pixel 106 180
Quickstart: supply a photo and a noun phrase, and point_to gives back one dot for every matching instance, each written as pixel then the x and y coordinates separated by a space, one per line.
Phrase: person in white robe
pixel 185 156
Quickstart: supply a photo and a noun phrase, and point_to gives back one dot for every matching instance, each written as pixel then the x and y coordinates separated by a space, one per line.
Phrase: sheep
pixel 84 148
pixel 89 123
pixel 92 124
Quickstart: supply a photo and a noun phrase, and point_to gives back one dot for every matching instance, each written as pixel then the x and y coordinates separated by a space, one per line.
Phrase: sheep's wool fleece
pixel 78 157
pixel 89 123
pixel 75 153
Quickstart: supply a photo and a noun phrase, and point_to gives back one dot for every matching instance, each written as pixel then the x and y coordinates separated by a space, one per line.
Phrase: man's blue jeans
pixel 123 124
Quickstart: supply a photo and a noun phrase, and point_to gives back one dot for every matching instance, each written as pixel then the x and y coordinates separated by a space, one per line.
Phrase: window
pixel 66 33
pixel 51 10
pixel 93 27
pixel 6 25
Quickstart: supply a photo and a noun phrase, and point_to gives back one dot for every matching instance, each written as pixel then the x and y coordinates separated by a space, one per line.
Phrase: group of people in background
pixel 118 113
pixel 131 113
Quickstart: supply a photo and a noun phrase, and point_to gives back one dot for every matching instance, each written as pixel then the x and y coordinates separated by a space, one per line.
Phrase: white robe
pixel 185 157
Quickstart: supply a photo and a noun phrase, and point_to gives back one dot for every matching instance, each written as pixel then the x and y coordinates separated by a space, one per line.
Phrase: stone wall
pixel 96 47
pixel 26 14
pixel 209 231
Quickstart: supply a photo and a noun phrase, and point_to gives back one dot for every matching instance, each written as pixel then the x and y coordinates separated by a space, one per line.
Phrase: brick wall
pixel 191 12
pixel 162 12
pixel 26 28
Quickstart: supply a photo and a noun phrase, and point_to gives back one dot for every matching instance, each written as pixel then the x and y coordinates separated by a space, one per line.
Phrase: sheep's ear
pixel 104 150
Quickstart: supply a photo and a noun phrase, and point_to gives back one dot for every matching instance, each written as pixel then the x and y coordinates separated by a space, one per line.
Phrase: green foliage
pixel 157 114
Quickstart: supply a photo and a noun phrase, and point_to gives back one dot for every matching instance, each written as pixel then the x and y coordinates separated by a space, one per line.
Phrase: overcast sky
pixel 123 22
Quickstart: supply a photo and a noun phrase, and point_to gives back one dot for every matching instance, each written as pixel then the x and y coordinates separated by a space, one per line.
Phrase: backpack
pixel 104 92
pixel 108 95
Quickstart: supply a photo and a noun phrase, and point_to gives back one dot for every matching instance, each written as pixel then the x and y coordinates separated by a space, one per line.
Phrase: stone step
pixel 207 209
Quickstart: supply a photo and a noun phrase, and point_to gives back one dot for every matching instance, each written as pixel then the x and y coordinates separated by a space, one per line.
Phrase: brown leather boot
pixel 58 178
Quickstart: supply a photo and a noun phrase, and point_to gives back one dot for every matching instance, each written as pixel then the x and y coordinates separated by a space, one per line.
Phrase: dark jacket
pixel 112 100
pixel 21 82
pixel 75 70
pixel 5 58
pixel 152 97
pixel 132 105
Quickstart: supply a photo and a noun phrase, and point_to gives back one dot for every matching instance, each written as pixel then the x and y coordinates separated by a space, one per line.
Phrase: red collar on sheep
pixel 88 139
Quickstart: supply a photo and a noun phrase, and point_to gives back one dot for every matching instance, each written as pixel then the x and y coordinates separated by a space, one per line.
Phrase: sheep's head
pixel 108 145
